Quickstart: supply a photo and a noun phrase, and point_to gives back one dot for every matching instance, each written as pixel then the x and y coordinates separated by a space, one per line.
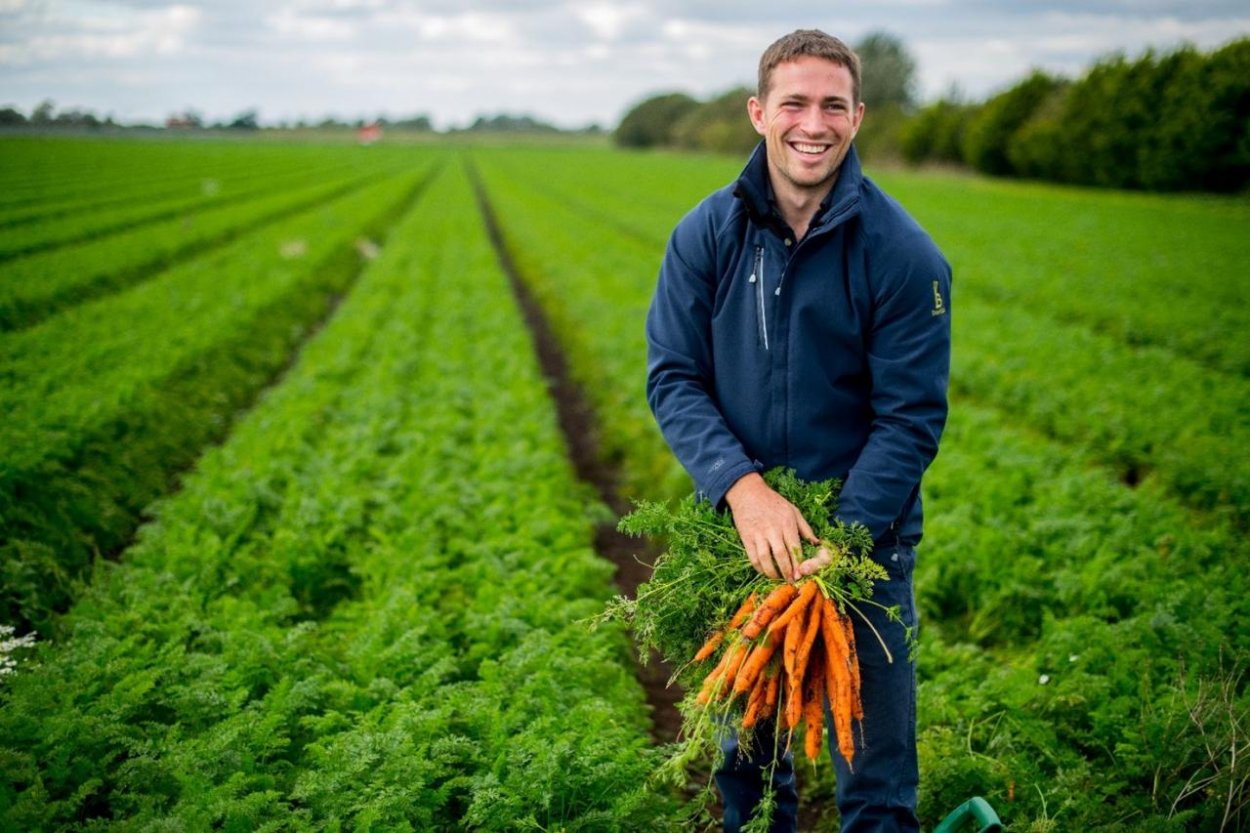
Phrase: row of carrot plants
pixel 37 286
pixel 106 402
pixel 1075 630
pixel 50 175
pixel 362 610
pixel 137 209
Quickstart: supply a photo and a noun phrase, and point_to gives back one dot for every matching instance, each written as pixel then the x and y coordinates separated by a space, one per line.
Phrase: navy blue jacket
pixel 830 354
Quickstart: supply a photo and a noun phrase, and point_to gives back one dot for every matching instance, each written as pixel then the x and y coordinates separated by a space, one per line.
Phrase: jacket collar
pixel 756 193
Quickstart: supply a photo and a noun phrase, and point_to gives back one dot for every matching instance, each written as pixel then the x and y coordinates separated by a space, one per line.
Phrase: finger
pixel 805 528
pixel 761 559
pixel 780 555
pixel 793 554
pixel 816 563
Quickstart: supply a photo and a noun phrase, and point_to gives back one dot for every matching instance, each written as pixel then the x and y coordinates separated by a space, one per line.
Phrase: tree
pixel 247 120
pixel 936 133
pixel 42 114
pixel 651 123
pixel 888 70
pixel 989 134
pixel 719 126
pixel 10 117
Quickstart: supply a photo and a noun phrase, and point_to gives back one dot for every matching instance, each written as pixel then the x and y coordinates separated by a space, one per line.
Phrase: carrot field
pixel 289 498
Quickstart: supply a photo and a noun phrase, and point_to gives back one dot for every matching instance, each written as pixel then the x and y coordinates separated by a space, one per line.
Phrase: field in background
pixel 281 487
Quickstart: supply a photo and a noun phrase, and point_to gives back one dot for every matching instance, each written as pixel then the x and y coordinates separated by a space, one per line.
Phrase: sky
pixel 569 62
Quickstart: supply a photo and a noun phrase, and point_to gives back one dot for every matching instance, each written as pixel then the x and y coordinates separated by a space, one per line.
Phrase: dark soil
pixel 580 427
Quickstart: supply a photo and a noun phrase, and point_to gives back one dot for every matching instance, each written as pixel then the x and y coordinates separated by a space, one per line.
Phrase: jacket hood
pixel 755 190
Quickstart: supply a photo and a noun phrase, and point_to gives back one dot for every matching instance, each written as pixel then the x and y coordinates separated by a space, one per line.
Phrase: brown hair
pixel 802 42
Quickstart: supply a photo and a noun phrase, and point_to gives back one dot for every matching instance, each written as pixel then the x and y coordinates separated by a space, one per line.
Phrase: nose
pixel 811 122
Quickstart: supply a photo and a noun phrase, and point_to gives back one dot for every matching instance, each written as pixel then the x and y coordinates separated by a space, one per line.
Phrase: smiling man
pixel 802 318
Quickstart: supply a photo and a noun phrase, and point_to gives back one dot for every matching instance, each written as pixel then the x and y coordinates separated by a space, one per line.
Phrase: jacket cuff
pixel 725 478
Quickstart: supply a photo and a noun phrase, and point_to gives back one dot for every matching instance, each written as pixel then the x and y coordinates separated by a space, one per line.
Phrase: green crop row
pixel 361 612
pixel 1070 627
pixel 1165 271
pixel 107 402
pixel 137 208
pixel 50 173
pixel 594 282
pixel 1143 411
pixel 1071 623
pixel 37 286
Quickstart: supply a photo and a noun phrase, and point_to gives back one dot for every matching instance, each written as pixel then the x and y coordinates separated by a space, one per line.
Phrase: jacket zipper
pixel 757 278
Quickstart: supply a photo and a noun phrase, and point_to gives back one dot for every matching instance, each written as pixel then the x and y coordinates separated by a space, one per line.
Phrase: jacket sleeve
pixel 908 355
pixel 679 365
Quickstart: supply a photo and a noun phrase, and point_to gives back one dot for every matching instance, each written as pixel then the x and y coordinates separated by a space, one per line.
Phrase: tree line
pixel 1163 121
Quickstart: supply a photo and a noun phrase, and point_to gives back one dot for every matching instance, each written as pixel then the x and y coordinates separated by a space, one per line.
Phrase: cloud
pixel 160 31
pixel 572 61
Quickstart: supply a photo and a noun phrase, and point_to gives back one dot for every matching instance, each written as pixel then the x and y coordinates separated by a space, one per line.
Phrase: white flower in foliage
pixel 9 644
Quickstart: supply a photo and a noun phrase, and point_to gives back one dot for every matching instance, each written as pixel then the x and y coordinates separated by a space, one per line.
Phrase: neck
pixel 799 205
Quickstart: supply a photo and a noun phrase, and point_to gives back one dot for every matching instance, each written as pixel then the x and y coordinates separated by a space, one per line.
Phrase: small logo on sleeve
pixel 939 308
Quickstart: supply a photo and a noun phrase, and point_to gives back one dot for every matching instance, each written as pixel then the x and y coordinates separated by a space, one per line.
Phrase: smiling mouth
pixel 809 149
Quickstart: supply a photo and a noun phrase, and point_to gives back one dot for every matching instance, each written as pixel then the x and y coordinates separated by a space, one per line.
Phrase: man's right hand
pixel 772 528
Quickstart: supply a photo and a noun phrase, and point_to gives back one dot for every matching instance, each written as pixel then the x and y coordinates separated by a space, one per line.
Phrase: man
pixel 801 318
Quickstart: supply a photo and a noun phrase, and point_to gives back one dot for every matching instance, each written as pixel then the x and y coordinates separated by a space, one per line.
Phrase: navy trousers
pixel 880 795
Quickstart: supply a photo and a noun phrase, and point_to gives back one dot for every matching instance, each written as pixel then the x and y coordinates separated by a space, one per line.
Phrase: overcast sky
pixel 569 62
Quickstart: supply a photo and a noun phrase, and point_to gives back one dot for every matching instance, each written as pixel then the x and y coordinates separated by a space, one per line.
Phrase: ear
pixel 755 109
pixel 857 119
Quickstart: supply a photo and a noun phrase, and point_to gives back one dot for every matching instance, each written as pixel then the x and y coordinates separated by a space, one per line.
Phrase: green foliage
pixel 719 125
pixel 888 70
pixel 1176 121
pixel 651 123
pixel 880 136
pixel 991 131
pixel 936 133
pixel 100 418
pixel 323 630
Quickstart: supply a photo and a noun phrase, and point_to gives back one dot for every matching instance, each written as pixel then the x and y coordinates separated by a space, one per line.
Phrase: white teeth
pixel 810 148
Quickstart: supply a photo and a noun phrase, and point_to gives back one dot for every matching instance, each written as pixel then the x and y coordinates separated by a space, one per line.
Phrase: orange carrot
pixel 743 612
pixel 755 705
pixel 710 646
pixel 709 682
pixel 806 593
pixel 794 702
pixel 809 639
pixel 843 703
pixel 852 661
pixel 755 663
pixel 774 685
pixel 795 630
pixel 814 706
pixel 737 654
pixel 776 602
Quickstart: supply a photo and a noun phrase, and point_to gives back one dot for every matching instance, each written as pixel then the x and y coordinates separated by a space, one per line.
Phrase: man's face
pixel 807 119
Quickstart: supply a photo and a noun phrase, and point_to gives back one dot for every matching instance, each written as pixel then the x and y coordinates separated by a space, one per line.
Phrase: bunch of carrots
pixel 784 655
